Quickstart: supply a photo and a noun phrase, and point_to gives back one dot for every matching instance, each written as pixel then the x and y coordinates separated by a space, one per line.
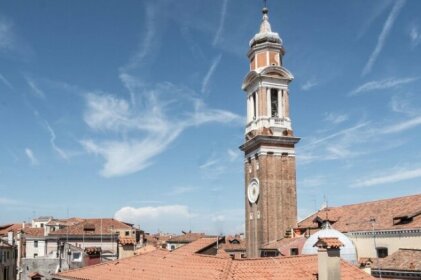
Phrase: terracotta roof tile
pixel 92 227
pixel 186 238
pixel 184 264
pixel 403 259
pixel 328 242
pixel 4 229
pixel 285 245
pixel 34 232
pixel 144 250
pixel 127 240
pixel 396 213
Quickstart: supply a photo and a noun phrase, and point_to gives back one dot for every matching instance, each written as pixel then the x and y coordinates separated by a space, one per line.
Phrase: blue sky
pixel 134 109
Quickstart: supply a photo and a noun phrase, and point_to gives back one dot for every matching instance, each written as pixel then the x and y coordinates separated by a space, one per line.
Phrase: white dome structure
pixel 348 251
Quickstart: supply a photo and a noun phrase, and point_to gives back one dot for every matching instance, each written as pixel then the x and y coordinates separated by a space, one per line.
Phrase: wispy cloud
pixel 312 182
pixel 8 201
pixel 147 43
pixel 233 155
pixel 402 126
pixel 7 37
pixel 396 176
pixel 181 190
pixel 415 36
pixel 309 84
pixel 220 30
pixel 379 7
pixel 30 154
pixel 361 139
pixel 5 81
pixel 34 88
pixel 336 118
pixel 383 35
pixel 208 76
pixel 382 84
pixel 146 131
pixel 209 163
pixel 404 104
pixel 58 150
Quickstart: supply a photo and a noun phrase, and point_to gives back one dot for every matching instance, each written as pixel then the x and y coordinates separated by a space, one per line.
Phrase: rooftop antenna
pixel 326 207
pixel 265 3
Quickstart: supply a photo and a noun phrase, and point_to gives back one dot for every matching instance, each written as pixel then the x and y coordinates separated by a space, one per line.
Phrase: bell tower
pixel 269 148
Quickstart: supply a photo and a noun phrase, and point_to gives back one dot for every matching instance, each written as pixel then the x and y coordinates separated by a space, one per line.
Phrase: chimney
pixel 10 238
pixel 329 258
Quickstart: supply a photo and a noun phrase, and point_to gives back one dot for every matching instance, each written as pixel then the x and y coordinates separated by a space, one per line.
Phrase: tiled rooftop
pixel 127 240
pixel 403 259
pixel 92 227
pixel 186 237
pixel 184 263
pixel 33 232
pixel 4 229
pixel 396 213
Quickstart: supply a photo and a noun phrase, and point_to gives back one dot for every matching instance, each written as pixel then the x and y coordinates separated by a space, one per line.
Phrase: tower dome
pixel 348 251
pixel 265 33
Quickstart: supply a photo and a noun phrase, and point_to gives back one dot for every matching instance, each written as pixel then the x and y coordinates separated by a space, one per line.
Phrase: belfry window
pixel 274 103
pixel 254 106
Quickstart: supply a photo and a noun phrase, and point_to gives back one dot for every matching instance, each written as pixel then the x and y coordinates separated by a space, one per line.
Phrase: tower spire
pixel 265 26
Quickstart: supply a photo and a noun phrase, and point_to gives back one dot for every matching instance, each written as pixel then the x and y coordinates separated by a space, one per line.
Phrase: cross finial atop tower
pixel 265 7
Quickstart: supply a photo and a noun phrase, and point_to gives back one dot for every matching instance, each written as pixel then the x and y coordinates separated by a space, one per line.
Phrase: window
pixel 274 103
pixel 382 252
pixel 36 243
pixel 254 106
pixel 76 257
pixel 127 233
pixel 172 247
pixel 35 255
pixel 294 251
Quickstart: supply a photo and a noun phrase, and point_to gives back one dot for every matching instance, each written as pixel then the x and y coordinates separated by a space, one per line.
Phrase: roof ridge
pixel 370 201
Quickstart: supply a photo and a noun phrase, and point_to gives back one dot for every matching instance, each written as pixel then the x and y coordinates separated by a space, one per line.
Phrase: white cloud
pixel 382 84
pixel 162 218
pixel 105 112
pixel 309 85
pixel 144 131
pixel 397 176
pixel 35 89
pixel 218 34
pixel 383 35
pixel 336 118
pixel 33 160
pixel 415 36
pixel 58 150
pixel 208 76
pixel 5 81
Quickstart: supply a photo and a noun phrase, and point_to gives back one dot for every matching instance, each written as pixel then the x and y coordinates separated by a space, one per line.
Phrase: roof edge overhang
pixel 262 73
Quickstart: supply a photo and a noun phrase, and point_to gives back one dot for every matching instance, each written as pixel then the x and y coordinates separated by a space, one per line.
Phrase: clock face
pixel 253 191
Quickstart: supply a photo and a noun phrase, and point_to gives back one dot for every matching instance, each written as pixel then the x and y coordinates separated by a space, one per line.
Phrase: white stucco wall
pixel 31 249
pixel 392 240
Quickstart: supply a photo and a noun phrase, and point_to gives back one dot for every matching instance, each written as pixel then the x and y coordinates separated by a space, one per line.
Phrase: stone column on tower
pixel 269 148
